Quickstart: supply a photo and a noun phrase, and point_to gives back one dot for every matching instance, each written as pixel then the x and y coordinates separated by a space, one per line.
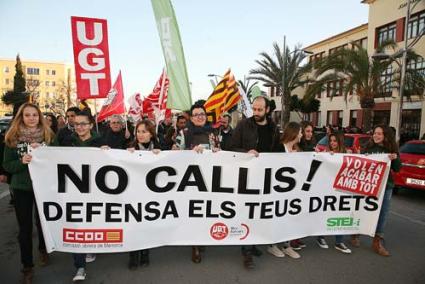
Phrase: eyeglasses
pixel 200 115
pixel 81 124
pixel 115 122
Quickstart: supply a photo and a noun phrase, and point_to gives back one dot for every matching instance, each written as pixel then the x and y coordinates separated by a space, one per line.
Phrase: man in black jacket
pixel 255 135
pixel 225 132
pixel 116 135
pixel 64 134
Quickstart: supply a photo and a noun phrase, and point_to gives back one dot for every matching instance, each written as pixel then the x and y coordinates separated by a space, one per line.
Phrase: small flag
pixel 245 104
pixel 136 105
pixel 114 103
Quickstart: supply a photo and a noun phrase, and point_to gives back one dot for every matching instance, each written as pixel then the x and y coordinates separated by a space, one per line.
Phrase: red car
pixel 352 142
pixel 412 172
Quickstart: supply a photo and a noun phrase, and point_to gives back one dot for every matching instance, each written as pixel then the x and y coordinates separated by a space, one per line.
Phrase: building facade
pixel 47 82
pixel 386 21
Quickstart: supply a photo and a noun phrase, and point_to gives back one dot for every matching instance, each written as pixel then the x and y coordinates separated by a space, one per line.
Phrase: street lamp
pixel 283 77
pixel 215 77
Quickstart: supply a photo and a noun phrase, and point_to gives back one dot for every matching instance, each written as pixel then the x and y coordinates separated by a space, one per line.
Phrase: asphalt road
pixel 405 238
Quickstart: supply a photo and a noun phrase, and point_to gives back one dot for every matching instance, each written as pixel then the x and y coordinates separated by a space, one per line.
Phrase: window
pixel 53 72
pixel 353 117
pixel 361 42
pixel 33 83
pixel 386 33
pixel 47 83
pixel 418 65
pixel 53 83
pixel 317 56
pixel 6 81
pixel 340 116
pixel 386 81
pixel 33 71
pixel 334 88
pixel 416 25
pixel 329 117
pixel 6 69
pixel 319 118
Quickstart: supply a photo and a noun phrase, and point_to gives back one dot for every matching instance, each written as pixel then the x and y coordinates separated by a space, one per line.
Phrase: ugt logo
pixel 219 231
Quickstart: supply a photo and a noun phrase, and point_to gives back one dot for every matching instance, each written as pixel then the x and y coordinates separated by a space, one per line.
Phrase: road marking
pixel 4 194
pixel 419 222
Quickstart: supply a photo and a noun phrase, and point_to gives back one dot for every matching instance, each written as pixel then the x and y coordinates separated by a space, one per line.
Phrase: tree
pixel 247 86
pixel 360 74
pixel 273 68
pixel 305 105
pixel 18 96
pixel 19 79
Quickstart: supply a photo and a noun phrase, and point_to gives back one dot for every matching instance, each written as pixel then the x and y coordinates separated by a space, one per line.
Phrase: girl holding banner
pixel 335 145
pixel 83 137
pixel 382 141
pixel 288 143
pixel 145 140
pixel 28 129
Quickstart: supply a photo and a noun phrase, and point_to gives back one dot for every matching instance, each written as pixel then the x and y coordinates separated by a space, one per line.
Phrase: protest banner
pixel 93 200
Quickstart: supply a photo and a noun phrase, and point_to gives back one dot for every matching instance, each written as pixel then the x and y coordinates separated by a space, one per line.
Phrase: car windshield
pixel 348 141
pixel 363 141
pixel 413 148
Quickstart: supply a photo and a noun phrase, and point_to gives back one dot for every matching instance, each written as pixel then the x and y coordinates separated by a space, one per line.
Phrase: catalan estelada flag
pixel 225 96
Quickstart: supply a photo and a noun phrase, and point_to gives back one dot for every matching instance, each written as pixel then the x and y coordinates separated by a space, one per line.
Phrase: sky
pixel 216 35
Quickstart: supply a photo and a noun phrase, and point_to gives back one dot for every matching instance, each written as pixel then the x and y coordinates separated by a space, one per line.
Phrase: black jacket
pixel 225 139
pixel 64 136
pixel 245 135
pixel 115 140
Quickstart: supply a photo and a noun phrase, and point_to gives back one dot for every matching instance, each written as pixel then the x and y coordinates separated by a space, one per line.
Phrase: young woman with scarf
pixel 27 129
pixel 198 136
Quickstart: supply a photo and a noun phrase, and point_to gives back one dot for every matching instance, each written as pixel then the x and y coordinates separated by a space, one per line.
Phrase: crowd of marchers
pixel 186 131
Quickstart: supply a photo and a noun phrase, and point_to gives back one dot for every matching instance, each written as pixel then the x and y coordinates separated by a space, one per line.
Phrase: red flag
pixel 91 57
pixel 114 104
pixel 136 107
pixel 152 102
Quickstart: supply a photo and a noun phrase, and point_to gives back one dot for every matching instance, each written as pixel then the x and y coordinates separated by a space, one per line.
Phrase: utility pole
pixel 403 71
pixel 283 84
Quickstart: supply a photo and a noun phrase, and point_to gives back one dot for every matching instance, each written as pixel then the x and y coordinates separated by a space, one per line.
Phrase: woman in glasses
pixel 83 136
pixel 198 136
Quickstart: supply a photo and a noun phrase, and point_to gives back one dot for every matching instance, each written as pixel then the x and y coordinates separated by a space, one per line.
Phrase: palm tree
pixel 273 68
pixel 361 75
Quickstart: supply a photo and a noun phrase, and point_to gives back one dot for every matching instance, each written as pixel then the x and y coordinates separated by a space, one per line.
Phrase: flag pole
pixel 95 110
pixel 161 95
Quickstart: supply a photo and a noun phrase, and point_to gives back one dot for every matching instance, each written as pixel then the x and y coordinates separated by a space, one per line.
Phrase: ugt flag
pixel 179 97
pixel 114 103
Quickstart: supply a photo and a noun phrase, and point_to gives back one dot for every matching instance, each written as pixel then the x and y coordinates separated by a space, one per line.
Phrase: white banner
pixel 93 200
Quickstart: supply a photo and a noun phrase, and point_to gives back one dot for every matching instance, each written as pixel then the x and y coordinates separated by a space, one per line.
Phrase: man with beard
pixel 255 135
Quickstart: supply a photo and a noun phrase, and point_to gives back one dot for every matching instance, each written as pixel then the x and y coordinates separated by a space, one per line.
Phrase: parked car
pixel 412 172
pixel 4 123
pixel 352 142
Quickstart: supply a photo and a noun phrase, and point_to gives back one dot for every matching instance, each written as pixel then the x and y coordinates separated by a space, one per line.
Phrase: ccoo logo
pixel 219 231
